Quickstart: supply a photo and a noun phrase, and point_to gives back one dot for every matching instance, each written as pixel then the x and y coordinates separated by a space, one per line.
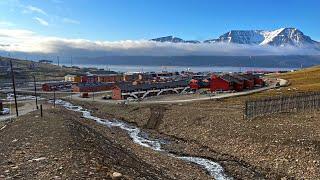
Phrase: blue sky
pixel 113 20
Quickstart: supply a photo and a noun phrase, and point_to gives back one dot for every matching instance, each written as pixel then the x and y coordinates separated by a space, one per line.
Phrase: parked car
pixel 5 111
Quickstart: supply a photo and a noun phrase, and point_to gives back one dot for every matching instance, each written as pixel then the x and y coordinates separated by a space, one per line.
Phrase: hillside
pixel 304 80
pixel 25 70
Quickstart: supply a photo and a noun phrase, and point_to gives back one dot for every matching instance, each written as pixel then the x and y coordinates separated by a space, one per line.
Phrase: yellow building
pixel 72 78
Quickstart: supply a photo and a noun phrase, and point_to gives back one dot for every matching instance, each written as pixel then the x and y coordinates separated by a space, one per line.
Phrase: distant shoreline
pixel 156 68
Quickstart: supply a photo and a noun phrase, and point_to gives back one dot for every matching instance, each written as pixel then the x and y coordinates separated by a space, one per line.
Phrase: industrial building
pixel 136 91
pixel 92 87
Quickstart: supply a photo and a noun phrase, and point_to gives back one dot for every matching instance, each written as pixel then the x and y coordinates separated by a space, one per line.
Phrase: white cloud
pixel 29 42
pixel 33 9
pixel 70 21
pixel 41 21
pixel 6 23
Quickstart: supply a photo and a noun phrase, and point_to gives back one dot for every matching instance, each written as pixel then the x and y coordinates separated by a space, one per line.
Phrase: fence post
pixel 41 113
pixel 291 103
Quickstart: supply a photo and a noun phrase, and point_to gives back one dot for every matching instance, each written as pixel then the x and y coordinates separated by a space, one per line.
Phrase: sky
pixel 100 21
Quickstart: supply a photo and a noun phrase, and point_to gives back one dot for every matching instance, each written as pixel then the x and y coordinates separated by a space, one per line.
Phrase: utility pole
pixel 14 88
pixel 35 91
pixel 71 61
pixel 54 97
pixel 58 61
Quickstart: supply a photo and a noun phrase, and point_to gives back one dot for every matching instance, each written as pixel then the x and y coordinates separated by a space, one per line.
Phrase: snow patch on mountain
pixel 270 35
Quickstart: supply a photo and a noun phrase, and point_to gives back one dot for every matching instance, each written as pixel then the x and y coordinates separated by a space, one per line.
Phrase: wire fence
pixel 289 103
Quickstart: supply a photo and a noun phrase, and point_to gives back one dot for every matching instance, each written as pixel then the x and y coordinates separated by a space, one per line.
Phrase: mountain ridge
pixel 279 37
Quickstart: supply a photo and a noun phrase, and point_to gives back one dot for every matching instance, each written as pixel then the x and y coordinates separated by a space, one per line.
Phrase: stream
pixel 139 137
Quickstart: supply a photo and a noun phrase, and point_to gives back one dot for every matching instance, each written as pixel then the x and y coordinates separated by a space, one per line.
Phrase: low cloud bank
pixel 25 41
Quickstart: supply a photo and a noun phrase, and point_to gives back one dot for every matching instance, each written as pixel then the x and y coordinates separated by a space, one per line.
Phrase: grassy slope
pixel 304 80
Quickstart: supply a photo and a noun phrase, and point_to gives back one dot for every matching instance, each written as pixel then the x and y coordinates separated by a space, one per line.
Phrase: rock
pixel 116 175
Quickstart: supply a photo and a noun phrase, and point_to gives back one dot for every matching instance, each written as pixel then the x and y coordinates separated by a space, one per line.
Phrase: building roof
pixel 108 75
pixel 70 75
pixel 241 77
pixel 148 86
pixel 250 76
pixel 57 83
pixel 229 78
pixel 95 84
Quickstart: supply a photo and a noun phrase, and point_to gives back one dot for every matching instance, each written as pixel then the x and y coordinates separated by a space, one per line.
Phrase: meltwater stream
pixel 141 138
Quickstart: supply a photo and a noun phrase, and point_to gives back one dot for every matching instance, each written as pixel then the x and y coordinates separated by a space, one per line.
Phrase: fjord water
pixel 143 68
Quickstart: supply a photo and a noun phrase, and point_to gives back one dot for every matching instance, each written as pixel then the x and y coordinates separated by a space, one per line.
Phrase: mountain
pixel 174 40
pixel 278 37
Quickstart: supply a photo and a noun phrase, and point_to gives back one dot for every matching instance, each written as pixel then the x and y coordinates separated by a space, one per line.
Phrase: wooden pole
pixel 14 89
pixel 41 113
pixel 35 91
pixel 54 97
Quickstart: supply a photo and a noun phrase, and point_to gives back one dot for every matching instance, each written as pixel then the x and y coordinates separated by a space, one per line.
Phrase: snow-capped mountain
pixel 278 37
pixel 173 40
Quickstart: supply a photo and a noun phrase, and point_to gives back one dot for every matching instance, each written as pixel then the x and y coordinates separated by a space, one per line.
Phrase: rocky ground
pixel 273 147
pixel 62 145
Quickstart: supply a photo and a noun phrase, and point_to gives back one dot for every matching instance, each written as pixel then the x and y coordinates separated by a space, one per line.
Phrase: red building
pixel 194 84
pixel 84 79
pixel 256 79
pixel 92 79
pixel 56 86
pixel 247 80
pixel 225 83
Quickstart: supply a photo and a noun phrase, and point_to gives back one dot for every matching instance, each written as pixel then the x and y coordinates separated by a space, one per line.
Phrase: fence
pixel 290 103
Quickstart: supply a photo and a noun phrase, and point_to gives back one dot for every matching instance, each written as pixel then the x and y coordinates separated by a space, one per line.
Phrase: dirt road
pixel 27 107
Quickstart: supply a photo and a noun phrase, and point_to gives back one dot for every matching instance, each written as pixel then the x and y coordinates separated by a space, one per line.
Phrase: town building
pixel 225 83
pixel 247 80
pixel 92 87
pixel 57 86
pixel 140 91
pixel 72 78
pixel 194 84
pixel 110 78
